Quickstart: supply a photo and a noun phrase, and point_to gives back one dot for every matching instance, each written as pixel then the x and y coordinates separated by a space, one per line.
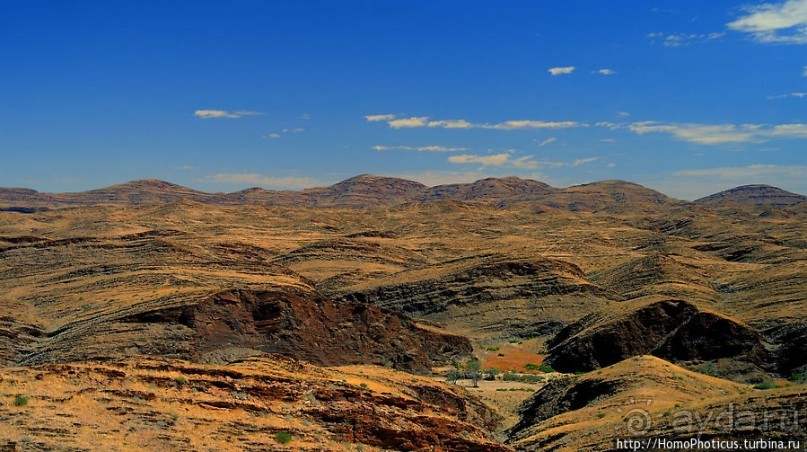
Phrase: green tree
pixel 473 371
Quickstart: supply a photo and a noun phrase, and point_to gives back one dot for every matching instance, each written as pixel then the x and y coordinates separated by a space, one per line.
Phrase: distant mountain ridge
pixel 757 195
pixel 366 191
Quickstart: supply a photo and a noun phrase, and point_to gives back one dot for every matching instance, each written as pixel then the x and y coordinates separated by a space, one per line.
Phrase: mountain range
pixel 368 191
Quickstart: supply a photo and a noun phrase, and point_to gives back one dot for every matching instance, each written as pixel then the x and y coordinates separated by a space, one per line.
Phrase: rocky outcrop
pixel 528 296
pixel 657 274
pixel 674 330
pixel 153 293
pixel 169 405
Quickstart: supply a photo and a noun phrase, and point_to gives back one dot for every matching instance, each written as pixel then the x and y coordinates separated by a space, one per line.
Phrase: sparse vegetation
pixel 522 378
pixel 283 437
pixel 764 385
pixel 20 400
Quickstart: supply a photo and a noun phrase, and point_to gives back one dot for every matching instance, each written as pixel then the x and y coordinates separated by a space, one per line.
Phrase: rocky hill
pixel 645 396
pixel 753 195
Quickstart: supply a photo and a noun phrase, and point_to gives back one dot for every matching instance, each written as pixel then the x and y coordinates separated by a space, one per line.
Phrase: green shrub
pixel 20 400
pixel 492 349
pixel 283 437
pixel 522 378
pixel 180 381
pixel 767 384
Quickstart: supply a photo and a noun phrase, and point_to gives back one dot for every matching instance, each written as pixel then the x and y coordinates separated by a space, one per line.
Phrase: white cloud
pixel 430 148
pixel 623 114
pixel 262 180
pixel 377 118
pixel 525 162
pixel 606 72
pixel 423 121
pixel 683 39
pixel 561 70
pixel 782 96
pixel 484 160
pixel 452 124
pixel 408 122
pixel 611 165
pixel 506 160
pixel 584 161
pixel 219 114
pixel 285 132
pixel 788 131
pixel 697 133
pixel 714 134
pixel 530 124
pixel 784 22
pixel 547 141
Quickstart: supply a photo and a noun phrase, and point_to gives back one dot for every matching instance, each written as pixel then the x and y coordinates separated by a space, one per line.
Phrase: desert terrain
pixel 150 315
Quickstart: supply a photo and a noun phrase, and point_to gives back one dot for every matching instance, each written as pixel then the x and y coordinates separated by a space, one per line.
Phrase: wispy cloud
pixel 430 148
pixel 698 133
pixel 508 160
pixel 547 141
pixel 606 71
pixel 584 161
pixel 683 39
pixel 404 123
pixel 531 124
pixel 714 134
pixel 563 70
pixel 377 118
pixel 423 121
pixel 280 134
pixel 784 23
pixel 221 114
pixel 263 180
pixel 484 160
pixel 452 124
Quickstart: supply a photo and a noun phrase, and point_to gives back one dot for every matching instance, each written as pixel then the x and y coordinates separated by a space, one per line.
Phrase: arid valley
pixel 381 314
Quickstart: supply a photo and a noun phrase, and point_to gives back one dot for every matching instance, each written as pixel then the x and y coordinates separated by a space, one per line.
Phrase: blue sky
pixel 687 97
